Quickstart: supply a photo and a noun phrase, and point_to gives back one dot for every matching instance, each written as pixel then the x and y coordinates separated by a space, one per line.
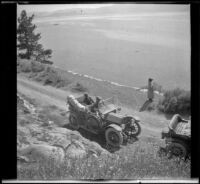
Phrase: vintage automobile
pixel 116 127
pixel 177 143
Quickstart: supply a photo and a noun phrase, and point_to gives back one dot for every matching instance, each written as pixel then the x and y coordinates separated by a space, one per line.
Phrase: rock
pixel 22 159
pixel 42 152
pixel 74 151
pixel 63 143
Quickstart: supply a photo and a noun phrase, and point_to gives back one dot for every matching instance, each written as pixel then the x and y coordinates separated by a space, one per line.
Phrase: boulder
pixel 42 152
pixel 75 150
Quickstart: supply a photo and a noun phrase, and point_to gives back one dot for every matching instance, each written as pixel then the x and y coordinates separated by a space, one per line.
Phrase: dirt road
pixel 45 94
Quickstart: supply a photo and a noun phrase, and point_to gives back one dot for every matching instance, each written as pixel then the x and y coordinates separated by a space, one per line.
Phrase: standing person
pixel 150 93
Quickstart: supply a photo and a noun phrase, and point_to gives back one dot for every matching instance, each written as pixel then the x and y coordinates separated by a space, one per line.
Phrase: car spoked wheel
pixel 73 121
pixel 176 149
pixel 114 137
pixel 135 128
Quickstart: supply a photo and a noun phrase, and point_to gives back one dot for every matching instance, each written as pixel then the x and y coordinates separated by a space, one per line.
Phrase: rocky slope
pixel 38 138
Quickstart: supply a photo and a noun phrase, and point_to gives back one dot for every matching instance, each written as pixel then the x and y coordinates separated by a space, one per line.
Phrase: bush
pixel 175 101
pixel 37 67
pixel 49 76
pixel 79 87
pixel 24 66
pixel 27 66
pixel 48 81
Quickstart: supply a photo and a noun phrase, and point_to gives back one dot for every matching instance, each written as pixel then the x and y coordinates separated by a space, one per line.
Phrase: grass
pixel 139 163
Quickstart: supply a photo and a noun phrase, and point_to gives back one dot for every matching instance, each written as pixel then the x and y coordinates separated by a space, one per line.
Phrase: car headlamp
pixel 137 119
pixel 123 126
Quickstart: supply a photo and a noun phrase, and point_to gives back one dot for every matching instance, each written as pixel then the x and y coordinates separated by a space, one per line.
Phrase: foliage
pixel 27 40
pixel 28 66
pixel 42 73
pixel 37 67
pixel 79 88
pixel 175 101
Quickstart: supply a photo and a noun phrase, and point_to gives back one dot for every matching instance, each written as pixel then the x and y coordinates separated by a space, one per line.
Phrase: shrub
pixel 24 66
pixel 79 87
pixel 29 66
pixel 175 101
pixel 48 81
pixel 37 67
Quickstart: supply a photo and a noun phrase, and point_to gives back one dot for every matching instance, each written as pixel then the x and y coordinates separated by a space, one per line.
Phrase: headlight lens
pixel 136 118
pixel 123 126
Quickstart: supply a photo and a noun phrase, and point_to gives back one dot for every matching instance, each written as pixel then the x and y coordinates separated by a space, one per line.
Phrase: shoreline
pixel 107 81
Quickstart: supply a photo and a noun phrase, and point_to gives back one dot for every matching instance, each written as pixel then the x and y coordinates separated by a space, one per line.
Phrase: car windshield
pixel 107 105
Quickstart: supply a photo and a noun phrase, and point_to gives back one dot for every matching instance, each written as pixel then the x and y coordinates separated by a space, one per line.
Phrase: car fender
pixel 129 117
pixel 126 119
pixel 136 118
pixel 116 127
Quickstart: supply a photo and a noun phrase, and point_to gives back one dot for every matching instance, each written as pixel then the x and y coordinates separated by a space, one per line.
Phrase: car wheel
pixel 135 128
pixel 177 149
pixel 113 137
pixel 73 121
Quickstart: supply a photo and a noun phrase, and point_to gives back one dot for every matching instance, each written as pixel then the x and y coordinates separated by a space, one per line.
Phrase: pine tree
pixel 28 45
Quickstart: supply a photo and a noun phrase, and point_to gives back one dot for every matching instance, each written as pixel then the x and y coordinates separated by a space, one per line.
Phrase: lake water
pixel 127 49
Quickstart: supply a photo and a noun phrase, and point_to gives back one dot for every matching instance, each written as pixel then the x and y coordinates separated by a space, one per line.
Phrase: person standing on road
pixel 150 93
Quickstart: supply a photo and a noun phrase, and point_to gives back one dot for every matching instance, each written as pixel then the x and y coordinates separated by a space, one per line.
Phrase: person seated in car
pixel 95 106
pixel 87 99
pixel 176 119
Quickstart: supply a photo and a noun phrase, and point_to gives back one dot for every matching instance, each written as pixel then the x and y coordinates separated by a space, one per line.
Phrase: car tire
pixel 113 137
pixel 137 129
pixel 73 121
pixel 177 149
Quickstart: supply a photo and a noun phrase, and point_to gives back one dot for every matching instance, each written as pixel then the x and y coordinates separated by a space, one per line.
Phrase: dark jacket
pixel 88 101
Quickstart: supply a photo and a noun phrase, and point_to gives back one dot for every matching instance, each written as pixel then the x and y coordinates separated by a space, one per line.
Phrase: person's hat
pixel 150 79
pixel 85 94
